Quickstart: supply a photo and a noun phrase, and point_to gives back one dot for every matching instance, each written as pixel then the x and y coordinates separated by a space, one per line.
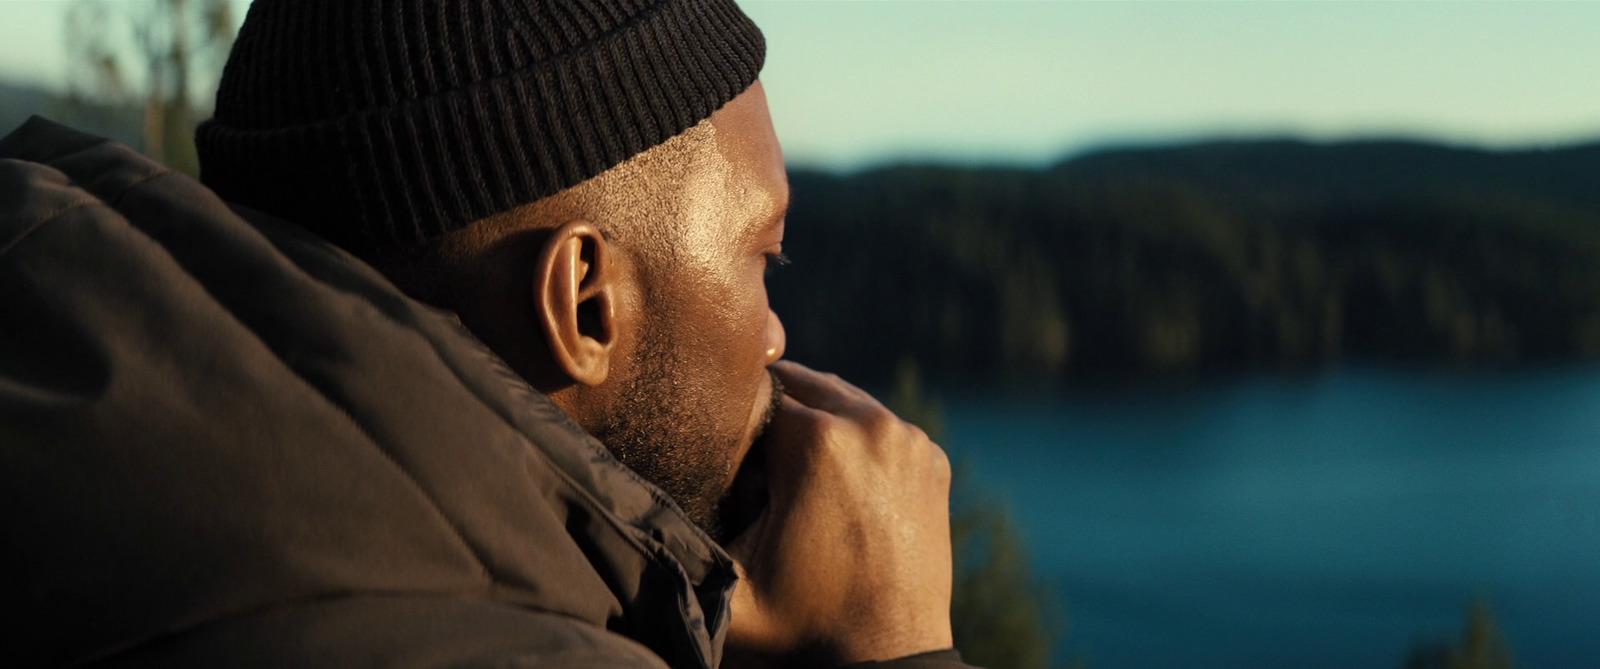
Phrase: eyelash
pixel 775 261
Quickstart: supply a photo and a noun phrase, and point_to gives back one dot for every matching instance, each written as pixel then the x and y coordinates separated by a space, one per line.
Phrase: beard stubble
pixel 665 428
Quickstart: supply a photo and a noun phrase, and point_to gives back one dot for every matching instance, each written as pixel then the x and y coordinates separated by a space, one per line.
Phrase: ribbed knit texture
pixel 382 123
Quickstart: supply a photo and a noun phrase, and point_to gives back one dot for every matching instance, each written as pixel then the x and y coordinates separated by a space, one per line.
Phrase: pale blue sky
pixel 861 82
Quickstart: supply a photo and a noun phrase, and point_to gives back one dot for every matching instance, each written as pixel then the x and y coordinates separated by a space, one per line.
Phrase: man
pixel 227 443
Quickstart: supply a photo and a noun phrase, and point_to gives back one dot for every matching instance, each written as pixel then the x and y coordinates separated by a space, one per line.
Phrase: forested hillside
pixel 1168 262
pixel 1211 257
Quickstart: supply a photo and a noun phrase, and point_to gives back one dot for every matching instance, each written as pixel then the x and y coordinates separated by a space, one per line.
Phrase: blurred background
pixel 1264 333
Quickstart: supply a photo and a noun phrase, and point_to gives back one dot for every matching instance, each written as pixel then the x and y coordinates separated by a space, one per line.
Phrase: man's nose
pixel 776 339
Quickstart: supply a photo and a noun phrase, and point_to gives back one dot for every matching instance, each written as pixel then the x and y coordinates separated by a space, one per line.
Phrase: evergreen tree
pixel 1482 646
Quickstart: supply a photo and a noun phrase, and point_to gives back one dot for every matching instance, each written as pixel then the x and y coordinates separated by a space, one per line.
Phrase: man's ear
pixel 575 288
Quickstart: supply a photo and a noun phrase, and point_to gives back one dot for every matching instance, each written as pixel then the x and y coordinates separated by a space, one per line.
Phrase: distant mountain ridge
pixel 1204 257
pixel 1362 169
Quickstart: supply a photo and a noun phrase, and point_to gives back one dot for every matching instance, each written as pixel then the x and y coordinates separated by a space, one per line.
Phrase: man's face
pixel 694 392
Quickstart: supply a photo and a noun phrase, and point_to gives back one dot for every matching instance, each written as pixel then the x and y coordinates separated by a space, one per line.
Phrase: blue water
pixel 1328 522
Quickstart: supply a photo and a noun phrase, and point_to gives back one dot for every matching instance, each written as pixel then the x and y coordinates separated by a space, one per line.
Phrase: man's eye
pixel 774 261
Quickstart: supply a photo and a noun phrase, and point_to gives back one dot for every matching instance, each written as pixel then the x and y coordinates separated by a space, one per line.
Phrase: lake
pixel 1330 521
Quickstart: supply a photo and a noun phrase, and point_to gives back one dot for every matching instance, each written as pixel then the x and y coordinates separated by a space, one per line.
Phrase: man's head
pixel 636 299
pixel 595 187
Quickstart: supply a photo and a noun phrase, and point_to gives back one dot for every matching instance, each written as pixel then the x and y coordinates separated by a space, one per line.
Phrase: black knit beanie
pixel 385 123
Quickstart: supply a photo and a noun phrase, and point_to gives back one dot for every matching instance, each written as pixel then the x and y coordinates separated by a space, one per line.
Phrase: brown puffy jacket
pixel 226 443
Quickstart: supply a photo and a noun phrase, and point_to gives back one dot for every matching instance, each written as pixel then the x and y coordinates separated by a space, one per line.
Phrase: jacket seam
pixel 51 217
pixel 90 201
pixel 117 199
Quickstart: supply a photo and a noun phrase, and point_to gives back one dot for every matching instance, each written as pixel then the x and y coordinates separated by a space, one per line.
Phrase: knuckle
pixel 814 418
pixel 881 422
pixel 822 425
pixel 942 468
pixel 917 433
pixel 829 438
pixel 883 428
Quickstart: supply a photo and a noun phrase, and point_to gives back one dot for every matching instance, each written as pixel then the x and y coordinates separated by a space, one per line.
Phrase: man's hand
pixel 851 559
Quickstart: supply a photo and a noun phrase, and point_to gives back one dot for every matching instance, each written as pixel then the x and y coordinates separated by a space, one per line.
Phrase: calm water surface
pixel 1323 522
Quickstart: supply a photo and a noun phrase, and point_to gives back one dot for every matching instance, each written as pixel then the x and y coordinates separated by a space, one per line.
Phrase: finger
pixel 843 397
pixel 851 389
pixel 794 427
pixel 795 434
pixel 812 388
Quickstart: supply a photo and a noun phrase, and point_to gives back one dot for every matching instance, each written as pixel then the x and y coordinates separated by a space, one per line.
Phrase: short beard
pixel 664 428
